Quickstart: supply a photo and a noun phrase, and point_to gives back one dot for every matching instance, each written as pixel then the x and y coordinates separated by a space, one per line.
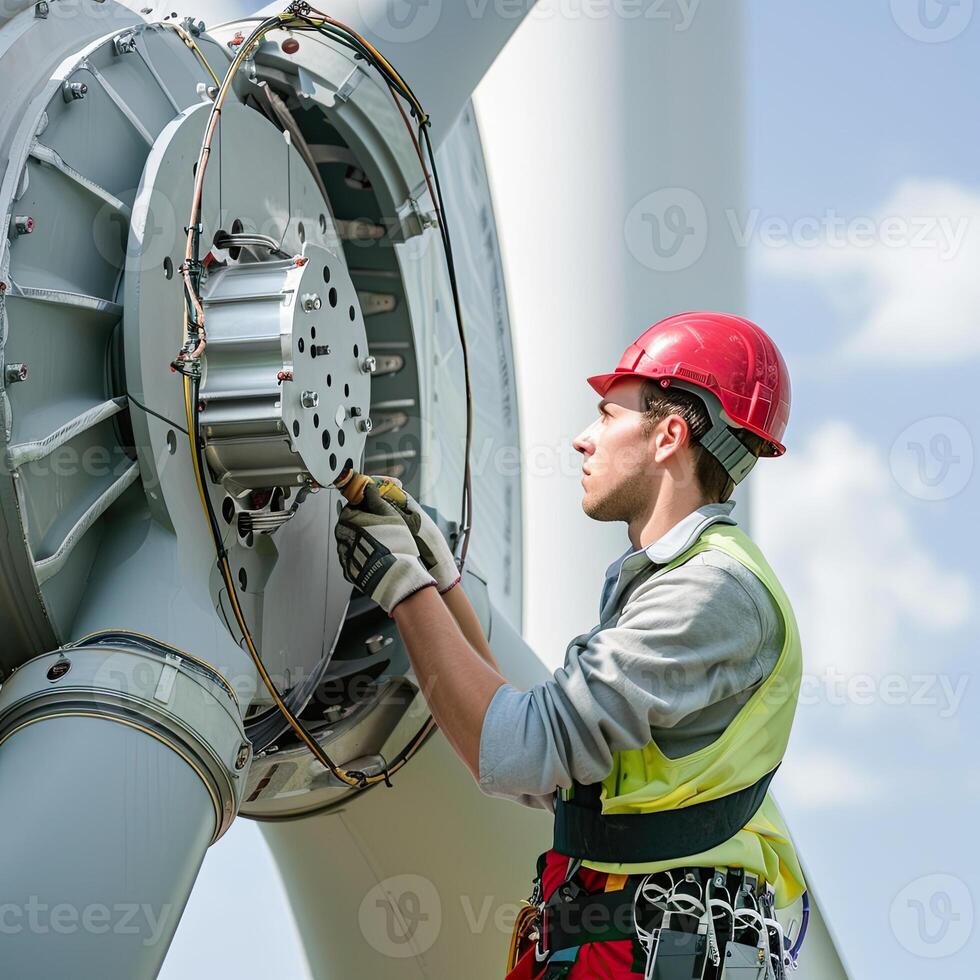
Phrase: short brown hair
pixel 713 479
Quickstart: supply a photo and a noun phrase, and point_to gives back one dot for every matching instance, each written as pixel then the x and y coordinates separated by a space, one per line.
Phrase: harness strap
pixel 597 918
pixel 583 831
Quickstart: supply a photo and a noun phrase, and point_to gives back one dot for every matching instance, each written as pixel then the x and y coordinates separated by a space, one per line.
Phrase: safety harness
pixel 583 831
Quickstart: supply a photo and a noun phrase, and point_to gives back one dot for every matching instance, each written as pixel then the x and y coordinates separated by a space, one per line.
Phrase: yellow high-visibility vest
pixel 646 781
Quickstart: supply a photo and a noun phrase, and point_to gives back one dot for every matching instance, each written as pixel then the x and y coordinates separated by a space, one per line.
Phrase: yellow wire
pixel 191 43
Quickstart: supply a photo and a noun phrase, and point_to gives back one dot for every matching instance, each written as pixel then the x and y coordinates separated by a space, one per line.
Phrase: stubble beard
pixel 619 504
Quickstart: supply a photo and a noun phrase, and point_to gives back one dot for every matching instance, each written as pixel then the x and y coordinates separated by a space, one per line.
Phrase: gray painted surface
pixel 105 829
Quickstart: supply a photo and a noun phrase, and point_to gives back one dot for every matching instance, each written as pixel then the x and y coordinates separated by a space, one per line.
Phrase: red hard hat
pixel 728 355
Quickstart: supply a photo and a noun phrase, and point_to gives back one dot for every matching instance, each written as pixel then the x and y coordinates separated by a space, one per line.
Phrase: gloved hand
pixel 432 546
pixel 377 551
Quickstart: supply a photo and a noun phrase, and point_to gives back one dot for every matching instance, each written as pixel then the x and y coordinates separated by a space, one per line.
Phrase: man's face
pixel 619 466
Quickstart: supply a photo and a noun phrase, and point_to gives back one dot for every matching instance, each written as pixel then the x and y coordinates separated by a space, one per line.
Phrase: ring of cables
pixel 300 16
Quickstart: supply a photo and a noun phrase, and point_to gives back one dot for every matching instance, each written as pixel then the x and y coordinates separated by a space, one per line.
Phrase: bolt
pixel 125 44
pixel 365 425
pixel 309 399
pixel 41 9
pixel 284 376
pixel 369 365
pixel 311 302
pixel 319 349
pixel 72 91
pixel 355 412
pixel 15 373
pixel 375 644
pixel 23 224
pixel 243 754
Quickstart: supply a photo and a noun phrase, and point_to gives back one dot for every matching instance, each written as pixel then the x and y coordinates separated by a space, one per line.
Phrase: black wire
pixel 467 502
pixel 162 418
pixel 352 43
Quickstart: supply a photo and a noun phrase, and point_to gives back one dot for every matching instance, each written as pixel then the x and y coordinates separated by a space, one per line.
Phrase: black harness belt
pixel 583 831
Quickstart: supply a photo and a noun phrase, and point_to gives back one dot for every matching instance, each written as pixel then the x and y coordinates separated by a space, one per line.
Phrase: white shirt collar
pixel 678 538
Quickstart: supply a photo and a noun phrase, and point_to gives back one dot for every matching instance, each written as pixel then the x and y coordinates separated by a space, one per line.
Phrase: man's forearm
pixel 458 603
pixel 457 682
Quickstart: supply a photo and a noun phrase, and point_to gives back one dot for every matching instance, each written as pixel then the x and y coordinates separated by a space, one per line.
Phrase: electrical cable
pixel 156 415
pixel 187 362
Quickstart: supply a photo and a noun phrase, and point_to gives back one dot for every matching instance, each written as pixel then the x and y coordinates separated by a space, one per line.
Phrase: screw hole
pixel 351 314
pixel 333 461
pixel 323 224
pixel 316 421
pixel 296 428
pixel 325 439
pixel 356 348
pixel 172 442
pixel 346 391
pixel 326 273
pixel 242 578
pixel 301 345
pixel 332 296
pixel 168 267
pixel 329 381
pixel 228 509
pixel 341 438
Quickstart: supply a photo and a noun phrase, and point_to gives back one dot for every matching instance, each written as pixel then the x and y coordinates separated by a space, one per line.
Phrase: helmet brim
pixel 603 382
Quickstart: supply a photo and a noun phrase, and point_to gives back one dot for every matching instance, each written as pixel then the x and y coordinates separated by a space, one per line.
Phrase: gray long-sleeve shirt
pixel 672 659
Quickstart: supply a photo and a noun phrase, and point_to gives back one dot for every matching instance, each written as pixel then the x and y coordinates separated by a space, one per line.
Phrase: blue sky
pixel 850 115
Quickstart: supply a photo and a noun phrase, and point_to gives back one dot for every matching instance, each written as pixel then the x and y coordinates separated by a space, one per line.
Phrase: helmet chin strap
pixel 720 440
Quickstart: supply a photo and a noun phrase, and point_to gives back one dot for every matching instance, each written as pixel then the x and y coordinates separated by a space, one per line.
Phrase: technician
pixel 656 742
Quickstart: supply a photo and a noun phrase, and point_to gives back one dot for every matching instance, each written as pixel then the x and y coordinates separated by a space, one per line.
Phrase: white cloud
pixel 820 778
pixel 905 276
pixel 864 584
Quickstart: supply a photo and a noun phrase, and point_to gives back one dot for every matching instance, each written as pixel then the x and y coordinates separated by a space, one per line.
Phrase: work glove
pixel 377 551
pixel 432 546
